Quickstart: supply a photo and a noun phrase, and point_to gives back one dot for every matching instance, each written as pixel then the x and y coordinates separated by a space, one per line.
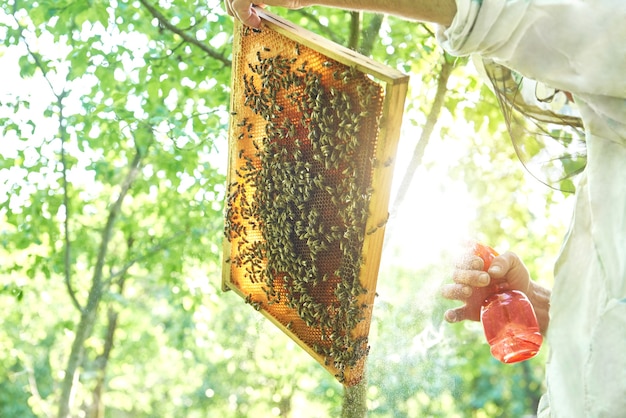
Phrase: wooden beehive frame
pixel 244 279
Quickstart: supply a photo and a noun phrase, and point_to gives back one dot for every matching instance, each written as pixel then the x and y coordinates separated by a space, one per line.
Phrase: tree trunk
pixel 96 409
pixel 90 311
pixel 355 400
pixel 371 35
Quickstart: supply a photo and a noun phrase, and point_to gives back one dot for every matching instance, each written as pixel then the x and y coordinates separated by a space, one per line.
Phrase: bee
pixel 341 376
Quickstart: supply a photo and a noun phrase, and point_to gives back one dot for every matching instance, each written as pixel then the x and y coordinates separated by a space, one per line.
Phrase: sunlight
pixel 437 212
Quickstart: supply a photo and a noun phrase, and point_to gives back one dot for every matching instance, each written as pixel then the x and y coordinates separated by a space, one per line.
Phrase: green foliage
pixel 95 88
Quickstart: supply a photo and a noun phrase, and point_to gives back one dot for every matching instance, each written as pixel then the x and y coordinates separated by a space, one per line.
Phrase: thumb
pixel 509 267
pixel 244 11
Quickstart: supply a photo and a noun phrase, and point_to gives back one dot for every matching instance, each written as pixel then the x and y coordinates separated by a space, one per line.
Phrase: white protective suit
pixel 577 46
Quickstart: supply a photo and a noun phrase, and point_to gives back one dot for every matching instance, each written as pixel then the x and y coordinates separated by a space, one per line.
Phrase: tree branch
pixel 173 28
pixel 34 390
pixel 355 30
pixel 67 255
pixel 148 253
pixel 67 246
pixel 427 29
pixel 322 30
pixel 96 409
pixel 96 290
pixel 89 313
pixel 370 35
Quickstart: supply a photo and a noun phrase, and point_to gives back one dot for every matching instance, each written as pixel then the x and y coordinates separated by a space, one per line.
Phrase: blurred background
pixel 113 151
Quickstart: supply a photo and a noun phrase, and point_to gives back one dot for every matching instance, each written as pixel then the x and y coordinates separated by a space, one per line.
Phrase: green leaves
pixel 13 290
pixel 28 66
pixel 93 11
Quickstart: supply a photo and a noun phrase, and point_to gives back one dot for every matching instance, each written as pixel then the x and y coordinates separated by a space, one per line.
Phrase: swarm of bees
pixel 304 132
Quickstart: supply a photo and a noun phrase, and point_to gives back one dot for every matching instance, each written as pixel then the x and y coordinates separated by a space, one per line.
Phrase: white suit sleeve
pixel 575 45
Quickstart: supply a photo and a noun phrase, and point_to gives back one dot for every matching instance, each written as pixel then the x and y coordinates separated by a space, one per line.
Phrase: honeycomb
pixel 308 186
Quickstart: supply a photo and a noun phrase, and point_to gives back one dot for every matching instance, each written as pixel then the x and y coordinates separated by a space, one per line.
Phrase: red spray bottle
pixel 508 318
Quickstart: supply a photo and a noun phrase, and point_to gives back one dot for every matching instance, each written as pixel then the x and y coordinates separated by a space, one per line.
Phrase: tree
pixel 138 132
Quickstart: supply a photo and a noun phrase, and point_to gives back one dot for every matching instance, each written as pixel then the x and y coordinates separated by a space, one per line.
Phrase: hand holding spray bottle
pixel 508 318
